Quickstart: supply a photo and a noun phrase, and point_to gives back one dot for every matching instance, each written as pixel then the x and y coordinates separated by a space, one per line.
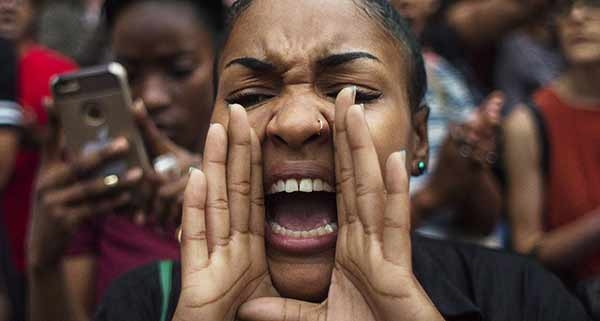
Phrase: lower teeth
pixel 319 231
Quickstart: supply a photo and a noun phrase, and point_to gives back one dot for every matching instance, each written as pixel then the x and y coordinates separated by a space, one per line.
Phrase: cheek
pixel 390 133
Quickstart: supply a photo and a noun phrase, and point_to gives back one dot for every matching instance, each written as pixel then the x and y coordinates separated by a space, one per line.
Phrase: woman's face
pixel 168 55
pixel 579 31
pixel 286 61
pixel 15 18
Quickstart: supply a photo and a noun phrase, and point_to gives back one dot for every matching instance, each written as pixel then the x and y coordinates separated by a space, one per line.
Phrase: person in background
pixel 85 232
pixel 528 59
pixel 466 33
pixel 11 119
pixel 446 192
pixel 552 156
pixel 35 65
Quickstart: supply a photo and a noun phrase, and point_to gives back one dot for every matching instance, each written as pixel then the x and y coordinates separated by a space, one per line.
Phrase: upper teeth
pixel 306 185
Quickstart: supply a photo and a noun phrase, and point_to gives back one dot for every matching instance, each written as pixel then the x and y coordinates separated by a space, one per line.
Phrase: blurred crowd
pixel 514 138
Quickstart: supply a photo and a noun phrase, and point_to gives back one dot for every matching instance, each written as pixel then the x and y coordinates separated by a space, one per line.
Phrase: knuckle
pixel 198 236
pixel 364 189
pixel 241 187
pixel 220 204
pixel 258 201
pixel 395 223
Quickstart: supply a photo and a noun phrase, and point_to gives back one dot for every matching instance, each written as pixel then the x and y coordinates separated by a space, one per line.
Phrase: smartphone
pixel 94 108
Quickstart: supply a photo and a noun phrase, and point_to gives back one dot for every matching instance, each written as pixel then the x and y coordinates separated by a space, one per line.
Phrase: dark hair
pixel 209 12
pixel 384 14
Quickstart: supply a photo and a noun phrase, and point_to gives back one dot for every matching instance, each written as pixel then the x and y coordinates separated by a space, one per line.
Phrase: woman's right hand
pixel 66 196
pixel 223 257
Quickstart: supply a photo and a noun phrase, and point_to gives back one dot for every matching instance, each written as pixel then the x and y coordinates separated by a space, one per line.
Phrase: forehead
pixel 159 26
pixel 292 32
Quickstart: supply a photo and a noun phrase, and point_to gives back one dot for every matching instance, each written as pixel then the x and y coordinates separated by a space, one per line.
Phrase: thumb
pixel 157 142
pixel 280 309
pixel 492 108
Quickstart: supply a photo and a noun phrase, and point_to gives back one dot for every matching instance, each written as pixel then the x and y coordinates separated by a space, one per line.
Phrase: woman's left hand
pixel 166 188
pixel 372 278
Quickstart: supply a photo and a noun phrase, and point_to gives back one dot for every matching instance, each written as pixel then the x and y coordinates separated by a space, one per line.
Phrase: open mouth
pixel 301 215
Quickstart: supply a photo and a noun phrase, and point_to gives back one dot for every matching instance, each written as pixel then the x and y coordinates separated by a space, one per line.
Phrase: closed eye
pixel 248 100
pixel 363 96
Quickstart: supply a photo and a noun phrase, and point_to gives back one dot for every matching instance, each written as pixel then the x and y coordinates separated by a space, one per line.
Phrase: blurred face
pixel 286 61
pixel 169 57
pixel 15 18
pixel 579 31
pixel 416 12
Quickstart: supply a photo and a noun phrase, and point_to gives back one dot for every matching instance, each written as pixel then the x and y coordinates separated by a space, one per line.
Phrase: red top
pixel 36 67
pixel 573 187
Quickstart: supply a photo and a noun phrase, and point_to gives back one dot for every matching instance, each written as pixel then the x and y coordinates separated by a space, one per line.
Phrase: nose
pixel 154 90
pixel 298 124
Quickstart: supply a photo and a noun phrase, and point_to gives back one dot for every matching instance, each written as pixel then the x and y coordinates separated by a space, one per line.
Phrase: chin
pixel 305 279
pixel 585 56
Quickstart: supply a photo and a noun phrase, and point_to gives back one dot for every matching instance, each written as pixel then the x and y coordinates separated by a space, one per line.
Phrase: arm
pixel 558 248
pixel 9 143
pixel 80 274
pixel 483 22
pixel 48 298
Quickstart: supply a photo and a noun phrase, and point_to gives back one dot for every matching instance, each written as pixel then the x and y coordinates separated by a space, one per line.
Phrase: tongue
pixel 302 211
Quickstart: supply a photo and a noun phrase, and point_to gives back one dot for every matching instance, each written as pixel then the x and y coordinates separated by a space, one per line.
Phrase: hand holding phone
pixel 94 108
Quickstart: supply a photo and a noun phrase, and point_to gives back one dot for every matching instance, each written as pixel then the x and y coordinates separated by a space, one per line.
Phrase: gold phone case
pixel 94 108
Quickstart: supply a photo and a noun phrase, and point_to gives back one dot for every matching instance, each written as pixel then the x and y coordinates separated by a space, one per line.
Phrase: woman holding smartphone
pixel 88 231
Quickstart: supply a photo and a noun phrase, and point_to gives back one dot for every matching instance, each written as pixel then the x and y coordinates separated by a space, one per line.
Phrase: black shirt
pixel 464 282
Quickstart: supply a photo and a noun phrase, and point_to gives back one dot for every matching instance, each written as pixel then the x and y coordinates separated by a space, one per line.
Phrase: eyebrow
pixel 343 58
pixel 252 63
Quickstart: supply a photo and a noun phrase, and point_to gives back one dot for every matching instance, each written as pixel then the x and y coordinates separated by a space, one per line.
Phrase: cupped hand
pixel 372 278
pixel 67 194
pixel 223 257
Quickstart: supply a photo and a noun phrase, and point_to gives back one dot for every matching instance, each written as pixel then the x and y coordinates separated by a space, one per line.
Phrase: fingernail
pixel 192 169
pixel 138 106
pixel 362 107
pixel 120 144
pixel 402 155
pixel 353 93
pixel 134 174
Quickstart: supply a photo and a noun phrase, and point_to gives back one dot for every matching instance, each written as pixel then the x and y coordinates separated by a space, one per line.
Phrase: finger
pixel 194 243
pixel 238 169
pixel 257 201
pixel 279 309
pixel 95 188
pixel 168 197
pixel 344 170
pixel 368 181
pixel 75 216
pixel 492 108
pixel 396 226
pixel 157 142
pixel 217 205
pixel 66 173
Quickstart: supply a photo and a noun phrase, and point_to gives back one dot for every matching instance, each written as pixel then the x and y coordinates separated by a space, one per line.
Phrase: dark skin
pixel 286 62
pixel 170 68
